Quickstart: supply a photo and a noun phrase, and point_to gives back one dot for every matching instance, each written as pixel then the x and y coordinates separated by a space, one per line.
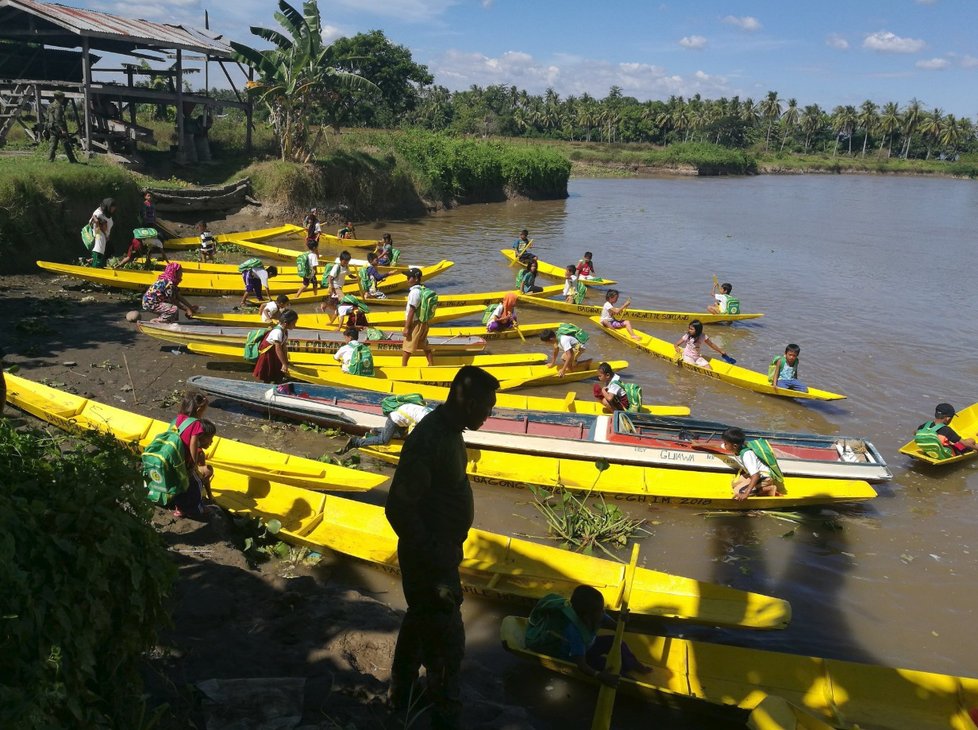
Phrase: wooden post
pixel 37 106
pixel 181 151
pixel 87 106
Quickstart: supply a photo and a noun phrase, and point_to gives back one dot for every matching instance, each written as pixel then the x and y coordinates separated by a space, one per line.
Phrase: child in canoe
pixel 384 250
pixel 721 295
pixel 938 440
pixel 568 346
pixel 568 630
pixel 347 231
pixel 570 284
pixel 335 280
pixel 783 370
pixel 760 475
pixel 370 277
pixel 611 316
pixel 196 438
pixel 503 317
pixel 163 297
pixel 528 279
pixel 255 280
pixel 585 267
pixel 208 244
pixel 609 389
pixel 307 267
pixel 691 342
pixel 273 352
pixel 312 225
pixel 271 311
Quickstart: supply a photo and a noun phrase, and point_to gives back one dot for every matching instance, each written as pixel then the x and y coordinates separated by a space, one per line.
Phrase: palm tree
pixel 911 119
pixel 297 78
pixel 868 118
pixel 889 124
pixel 770 109
pixel 843 124
pixel 931 128
pixel 950 137
pixel 811 122
pixel 788 120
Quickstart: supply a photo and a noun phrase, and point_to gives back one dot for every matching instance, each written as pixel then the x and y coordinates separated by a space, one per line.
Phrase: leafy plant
pixel 259 540
pixel 85 579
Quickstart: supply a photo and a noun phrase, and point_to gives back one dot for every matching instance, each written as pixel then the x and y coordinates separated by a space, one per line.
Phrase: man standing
pixel 430 507
pixel 58 127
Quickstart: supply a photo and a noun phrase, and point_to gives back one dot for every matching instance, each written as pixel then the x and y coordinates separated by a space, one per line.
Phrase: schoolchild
pixel 611 316
pixel 273 357
pixel 691 342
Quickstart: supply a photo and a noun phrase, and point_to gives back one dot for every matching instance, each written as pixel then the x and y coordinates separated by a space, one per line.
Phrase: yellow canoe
pixel 267 249
pixel 204 284
pixel 445 300
pixel 283 269
pixel 718 370
pixel 556 272
pixel 511 401
pixel 498 566
pixel 654 486
pixel 261 234
pixel 510 377
pixel 73 412
pixel 316 320
pixel 645 315
pixel 964 423
pixel 330 240
pixel 846 695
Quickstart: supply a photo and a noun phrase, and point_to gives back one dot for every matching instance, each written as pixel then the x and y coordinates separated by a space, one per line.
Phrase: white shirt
pixel 277 335
pixel 262 275
pixel 568 342
pixel 497 312
pixel 752 464
pixel 343 309
pixel 408 415
pixel 312 259
pixel 722 301
pixel 570 286
pixel 614 385
pixel 345 355
pixel 606 316
pixel 413 299
pixel 101 239
pixel 338 274
pixel 268 312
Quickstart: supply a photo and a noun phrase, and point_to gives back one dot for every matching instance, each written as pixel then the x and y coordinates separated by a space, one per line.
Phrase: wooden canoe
pixel 718 370
pixel 445 300
pixel 557 272
pixel 846 695
pixel 261 234
pixel 73 412
pixel 645 315
pixel 964 423
pixel 283 269
pixel 317 320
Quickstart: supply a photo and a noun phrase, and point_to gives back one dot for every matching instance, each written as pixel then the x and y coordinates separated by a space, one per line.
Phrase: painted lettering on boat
pixel 652 499
pixel 676 455
pixel 493 482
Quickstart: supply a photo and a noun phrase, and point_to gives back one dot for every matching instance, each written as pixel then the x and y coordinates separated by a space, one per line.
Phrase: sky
pixel 827 52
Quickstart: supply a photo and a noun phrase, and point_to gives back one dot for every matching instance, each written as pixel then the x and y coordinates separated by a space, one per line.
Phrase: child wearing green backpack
pixel 355 357
pixel 938 440
pixel 307 267
pixel 783 370
pixel 760 474
pixel 568 344
pixel 421 305
pixel 196 437
pixel 613 393
pixel 401 420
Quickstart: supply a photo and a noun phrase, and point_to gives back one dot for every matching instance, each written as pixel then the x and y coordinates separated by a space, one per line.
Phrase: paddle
pixel 727 359
pixel 520 252
pixel 606 695
pixel 517 328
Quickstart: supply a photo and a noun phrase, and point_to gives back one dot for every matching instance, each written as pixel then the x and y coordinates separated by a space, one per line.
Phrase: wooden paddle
pixel 516 259
pixel 606 695
pixel 517 328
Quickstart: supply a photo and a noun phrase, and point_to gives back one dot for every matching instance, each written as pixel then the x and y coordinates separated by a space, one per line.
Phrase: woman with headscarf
pixel 101 223
pixel 273 352
pixel 163 296
pixel 503 317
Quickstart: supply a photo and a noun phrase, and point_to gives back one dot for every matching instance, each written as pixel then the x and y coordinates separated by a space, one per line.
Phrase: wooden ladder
pixel 11 103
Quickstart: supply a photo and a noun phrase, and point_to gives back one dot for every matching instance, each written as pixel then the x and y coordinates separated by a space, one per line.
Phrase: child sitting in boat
pixel 721 293
pixel 347 231
pixel 691 342
pixel 521 246
pixel 611 316
pixel 370 277
pixel 568 347
pixel 528 279
pixel 256 279
pixel 938 440
pixel 760 475
pixel 568 630
pixel 503 317
pixel 609 389
pixel 208 244
pixel 273 353
pixel 271 311
pixel 585 267
pixel 783 370
pixel 384 250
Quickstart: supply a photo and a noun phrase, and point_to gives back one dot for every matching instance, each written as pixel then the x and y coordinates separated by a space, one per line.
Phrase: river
pixel 874 278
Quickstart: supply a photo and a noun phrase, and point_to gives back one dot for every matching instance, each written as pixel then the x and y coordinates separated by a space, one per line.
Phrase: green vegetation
pixel 85 578
pixel 706 158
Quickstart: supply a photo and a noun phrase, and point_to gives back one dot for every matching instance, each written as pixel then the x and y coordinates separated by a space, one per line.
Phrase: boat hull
pixel 556 272
pixel 191 242
pixel 644 315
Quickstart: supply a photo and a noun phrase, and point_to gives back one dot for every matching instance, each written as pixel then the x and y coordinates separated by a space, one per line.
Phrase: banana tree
pixel 297 77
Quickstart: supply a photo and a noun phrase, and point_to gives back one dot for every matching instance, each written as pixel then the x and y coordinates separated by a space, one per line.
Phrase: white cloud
pixel 969 62
pixel 487 3
pixel 834 40
pixel 571 74
pixel 933 64
pixel 331 33
pixel 693 42
pixel 746 22
pixel 886 42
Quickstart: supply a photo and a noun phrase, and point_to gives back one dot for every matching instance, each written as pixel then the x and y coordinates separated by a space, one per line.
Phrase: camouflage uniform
pixel 58 127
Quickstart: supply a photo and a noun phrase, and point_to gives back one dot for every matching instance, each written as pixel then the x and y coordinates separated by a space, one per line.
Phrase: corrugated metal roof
pixel 146 33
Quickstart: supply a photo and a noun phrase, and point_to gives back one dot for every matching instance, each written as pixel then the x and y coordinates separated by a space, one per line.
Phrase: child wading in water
pixel 196 437
pixel 691 342
pixel 611 315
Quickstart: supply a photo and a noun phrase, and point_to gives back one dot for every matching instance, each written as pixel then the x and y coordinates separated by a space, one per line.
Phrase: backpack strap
pixel 183 426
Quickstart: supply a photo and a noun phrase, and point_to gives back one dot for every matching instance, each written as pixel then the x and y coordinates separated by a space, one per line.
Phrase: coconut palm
pixel 770 109
pixel 868 118
pixel 788 120
pixel 843 124
pixel 890 122
pixel 950 137
pixel 931 128
pixel 812 122
pixel 297 78
pixel 912 116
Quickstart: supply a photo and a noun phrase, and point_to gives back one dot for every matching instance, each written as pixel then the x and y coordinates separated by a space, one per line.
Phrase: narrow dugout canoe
pixel 284 252
pixel 261 234
pixel 641 484
pixel 512 401
pixel 235 353
pixel 283 269
pixel 618 438
pixel 219 284
pixel 645 315
pixel 557 272
pixel 300 340
pixel 498 566
pixel 329 239
pixel 316 320
pixel 844 694
pixel 483 298
pixel 964 423
pixel 73 412
pixel 719 370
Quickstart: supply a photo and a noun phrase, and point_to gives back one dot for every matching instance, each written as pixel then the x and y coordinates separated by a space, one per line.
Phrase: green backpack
pixel 302 269
pixel 427 305
pixel 634 393
pixel 358 303
pixel 248 265
pixel 364 277
pixel 774 369
pixel 252 346
pixel 487 315
pixel 144 233
pixel 580 293
pixel 392 402
pixel 574 331
pixel 762 449
pixel 931 442
pixel 547 623
pixel 362 361
pixel 732 307
pixel 165 464
pixel 88 236
pixel 395 255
